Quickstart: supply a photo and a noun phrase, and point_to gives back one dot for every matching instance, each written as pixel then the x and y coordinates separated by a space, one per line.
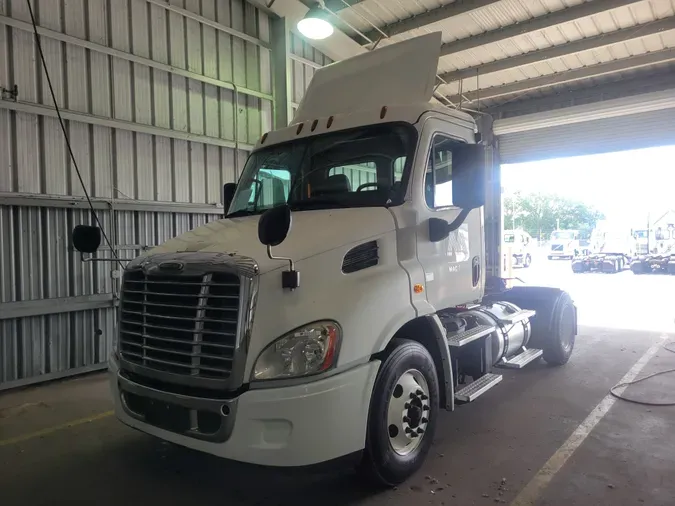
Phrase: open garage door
pixel 615 125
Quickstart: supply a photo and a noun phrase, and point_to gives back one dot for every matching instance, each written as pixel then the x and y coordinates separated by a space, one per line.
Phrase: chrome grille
pixel 180 324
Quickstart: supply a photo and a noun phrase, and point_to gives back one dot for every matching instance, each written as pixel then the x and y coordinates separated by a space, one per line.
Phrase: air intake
pixel 361 257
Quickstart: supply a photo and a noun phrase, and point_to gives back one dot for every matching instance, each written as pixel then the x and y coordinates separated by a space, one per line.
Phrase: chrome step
pixel 518 316
pixel 521 360
pixel 467 336
pixel 477 388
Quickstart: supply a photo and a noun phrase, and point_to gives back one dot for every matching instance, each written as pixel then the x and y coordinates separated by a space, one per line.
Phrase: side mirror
pixel 228 195
pixel 274 225
pixel 86 239
pixel 468 176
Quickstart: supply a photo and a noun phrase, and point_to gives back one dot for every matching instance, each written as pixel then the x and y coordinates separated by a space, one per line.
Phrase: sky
pixel 624 185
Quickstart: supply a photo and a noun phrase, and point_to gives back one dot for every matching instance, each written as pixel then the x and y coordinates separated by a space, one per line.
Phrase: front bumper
pixel 299 425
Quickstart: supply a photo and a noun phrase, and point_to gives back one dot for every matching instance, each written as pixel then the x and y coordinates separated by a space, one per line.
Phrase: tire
pixel 527 262
pixel 560 343
pixel 383 464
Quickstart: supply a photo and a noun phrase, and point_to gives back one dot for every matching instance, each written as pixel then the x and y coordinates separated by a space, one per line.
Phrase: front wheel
pixel 560 343
pixel 528 261
pixel 402 416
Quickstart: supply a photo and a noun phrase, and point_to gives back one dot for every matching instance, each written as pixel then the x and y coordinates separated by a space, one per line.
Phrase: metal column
pixel 280 48
pixel 493 199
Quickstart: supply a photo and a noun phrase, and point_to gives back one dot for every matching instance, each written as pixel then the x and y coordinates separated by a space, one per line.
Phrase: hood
pixel 312 232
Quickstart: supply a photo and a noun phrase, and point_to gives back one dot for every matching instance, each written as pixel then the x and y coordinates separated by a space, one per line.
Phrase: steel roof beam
pixel 577 46
pixel 662 79
pixel 601 69
pixel 539 23
pixel 429 17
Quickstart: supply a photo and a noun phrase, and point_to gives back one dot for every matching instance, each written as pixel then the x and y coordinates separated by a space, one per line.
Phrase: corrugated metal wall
pixel 157 96
pixel 304 62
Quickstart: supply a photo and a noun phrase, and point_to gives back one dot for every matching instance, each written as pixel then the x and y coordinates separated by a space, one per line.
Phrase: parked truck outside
pixel 323 318
pixel 564 244
pixel 612 247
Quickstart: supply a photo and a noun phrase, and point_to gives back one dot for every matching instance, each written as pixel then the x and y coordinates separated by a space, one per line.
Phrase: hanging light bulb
pixel 315 24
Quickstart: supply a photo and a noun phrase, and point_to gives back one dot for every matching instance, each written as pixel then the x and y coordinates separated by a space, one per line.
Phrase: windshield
pixel 509 238
pixel 362 167
pixel 562 235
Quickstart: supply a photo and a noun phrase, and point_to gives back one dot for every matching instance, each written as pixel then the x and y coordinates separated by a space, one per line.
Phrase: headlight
pixel 311 349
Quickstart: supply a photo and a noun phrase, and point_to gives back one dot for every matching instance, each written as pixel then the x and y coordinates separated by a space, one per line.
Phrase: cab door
pixel 453 266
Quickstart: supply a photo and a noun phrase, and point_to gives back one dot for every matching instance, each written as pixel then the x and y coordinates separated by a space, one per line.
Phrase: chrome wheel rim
pixel 408 412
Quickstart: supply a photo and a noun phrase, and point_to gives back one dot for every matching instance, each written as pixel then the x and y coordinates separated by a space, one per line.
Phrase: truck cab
pixel 564 244
pixel 342 301
pixel 518 245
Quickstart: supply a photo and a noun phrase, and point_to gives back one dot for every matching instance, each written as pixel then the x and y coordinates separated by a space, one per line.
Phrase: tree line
pixel 539 214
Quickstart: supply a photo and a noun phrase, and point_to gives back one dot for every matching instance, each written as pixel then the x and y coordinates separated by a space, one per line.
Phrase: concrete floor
pixel 509 433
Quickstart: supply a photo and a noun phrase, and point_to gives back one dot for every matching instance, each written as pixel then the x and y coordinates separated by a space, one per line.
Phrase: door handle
pixel 475 271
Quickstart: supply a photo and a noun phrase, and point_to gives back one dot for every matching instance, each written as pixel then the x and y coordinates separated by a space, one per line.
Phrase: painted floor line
pixel 56 428
pixel 529 495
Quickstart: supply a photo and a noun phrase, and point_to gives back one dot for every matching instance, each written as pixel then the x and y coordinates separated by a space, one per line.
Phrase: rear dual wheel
pixel 403 412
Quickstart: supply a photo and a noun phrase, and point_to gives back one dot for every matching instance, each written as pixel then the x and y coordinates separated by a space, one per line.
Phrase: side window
pixel 438 180
pixel 358 174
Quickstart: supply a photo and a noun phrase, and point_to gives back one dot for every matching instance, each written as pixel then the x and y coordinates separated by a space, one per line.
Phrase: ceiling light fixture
pixel 316 25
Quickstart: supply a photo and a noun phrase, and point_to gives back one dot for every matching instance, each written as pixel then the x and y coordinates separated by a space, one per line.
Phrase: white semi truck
pixel 612 249
pixel 564 244
pixel 324 319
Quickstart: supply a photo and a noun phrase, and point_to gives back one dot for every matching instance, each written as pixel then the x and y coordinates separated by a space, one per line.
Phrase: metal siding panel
pixel 227 111
pixel 163 169
pixel 238 45
pixel 145 177
pixel 100 83
pixel 7 248
pixel 165 227
pixel 54 157
pixel 209 40
pixel 211 105
pixel 29 248
pixel 9 354
pixel 122 91
pixel 181 171
pixel 242 117
pixel 253 119
pixel 197 172
pixel 102 161
pixel 196 106
pixel 124 165
pixel 8 174
pixel 23 59
pixel 214 181
pixel 599 136
pixel 98 16
pixel 182 221
pixel 161 98
pixel 140 33
pixel 228 172
pixel 55 254
pixel 53 53
pixel 142 94
pixel 179 96
pixel 27 157
pixel 78 134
